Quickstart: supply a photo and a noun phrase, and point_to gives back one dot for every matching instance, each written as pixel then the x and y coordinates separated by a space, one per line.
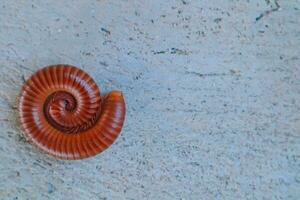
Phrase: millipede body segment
pixel 62 112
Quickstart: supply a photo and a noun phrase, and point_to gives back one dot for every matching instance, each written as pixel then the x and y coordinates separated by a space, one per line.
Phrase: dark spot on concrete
pixel 103 63
pixel 217 20
pixel 51 188
pixel 105 31
pixel 184 2
pixel 158 52
pixel 178 51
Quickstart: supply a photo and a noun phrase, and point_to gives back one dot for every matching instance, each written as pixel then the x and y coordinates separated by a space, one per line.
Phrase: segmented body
pixel 62 112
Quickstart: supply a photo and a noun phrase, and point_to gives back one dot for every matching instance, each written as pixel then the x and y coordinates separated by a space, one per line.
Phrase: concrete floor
pixel 212 90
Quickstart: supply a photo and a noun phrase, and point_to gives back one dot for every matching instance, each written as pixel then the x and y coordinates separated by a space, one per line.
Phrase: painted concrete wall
pixel 212 90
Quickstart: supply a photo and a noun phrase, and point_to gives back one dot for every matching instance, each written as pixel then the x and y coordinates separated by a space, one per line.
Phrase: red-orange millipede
pixel 62 112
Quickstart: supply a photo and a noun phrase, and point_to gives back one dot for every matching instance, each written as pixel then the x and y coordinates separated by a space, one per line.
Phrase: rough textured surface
pixel 212 90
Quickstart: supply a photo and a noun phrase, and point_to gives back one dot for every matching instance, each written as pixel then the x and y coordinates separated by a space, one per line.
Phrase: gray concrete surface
pixel 212 90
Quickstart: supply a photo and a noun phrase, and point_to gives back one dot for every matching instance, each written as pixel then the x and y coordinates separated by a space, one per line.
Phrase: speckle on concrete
pixel 212 90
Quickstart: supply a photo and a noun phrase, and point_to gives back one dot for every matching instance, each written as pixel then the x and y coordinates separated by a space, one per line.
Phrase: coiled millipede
pixel 62 112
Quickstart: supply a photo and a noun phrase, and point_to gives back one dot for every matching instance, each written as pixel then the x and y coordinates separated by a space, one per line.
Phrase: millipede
pixel 63 113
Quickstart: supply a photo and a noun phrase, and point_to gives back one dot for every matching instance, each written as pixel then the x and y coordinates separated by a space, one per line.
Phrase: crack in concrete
pixel 268 11
pixel 205 74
